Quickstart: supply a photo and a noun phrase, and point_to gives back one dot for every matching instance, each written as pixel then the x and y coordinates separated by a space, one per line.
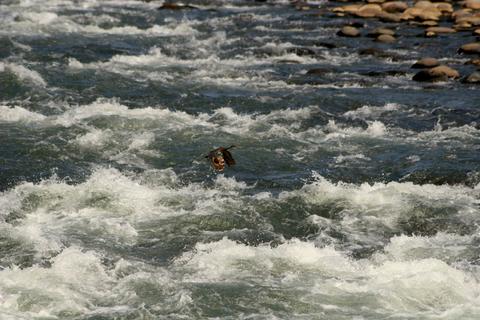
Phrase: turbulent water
pixel 356 192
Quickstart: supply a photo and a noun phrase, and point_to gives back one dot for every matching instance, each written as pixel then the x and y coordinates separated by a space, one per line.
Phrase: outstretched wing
pixel 228 157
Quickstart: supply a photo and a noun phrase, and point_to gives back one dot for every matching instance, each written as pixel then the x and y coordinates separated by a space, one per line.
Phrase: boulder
pixel 473 78
pixel 472 4
pixel 444 7
pixel 175 6
pixel 385 38
pixel 351 9
pixel 349 31
pixel 429 23
pixel 470 48
pixel 433 31
pixel 394 6
pixel 426 63
pixel 421 13
pixel 439 73
pixel 318 71
pixel 379 31
pixel 389 17
pixel 475 62
pixel 369 11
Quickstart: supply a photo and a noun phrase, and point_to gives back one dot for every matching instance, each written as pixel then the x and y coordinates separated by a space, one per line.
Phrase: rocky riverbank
pixel 437 19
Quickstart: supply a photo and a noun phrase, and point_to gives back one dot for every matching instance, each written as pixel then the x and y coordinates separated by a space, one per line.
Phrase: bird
pixel 219 156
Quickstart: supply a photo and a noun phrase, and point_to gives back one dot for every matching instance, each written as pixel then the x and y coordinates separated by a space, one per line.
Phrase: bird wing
pixel 228 157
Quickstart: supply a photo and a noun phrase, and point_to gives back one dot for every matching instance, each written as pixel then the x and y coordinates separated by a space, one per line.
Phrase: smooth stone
pixel 394 6
pixel 433 31
pixel 318 71
pixel 475 62
pixel 385 38
pixel 429 23
pixel 472 78
pixel 379 31
pixel 349 31
pixel 470 48
pixel 175 6
pixel 426 63
pixel 369 11
pixel 476 32
pixel 301 51
pixel 421 13
pixel 444 7
pixel 439 73
pixel 472 4
pixel 389 17
pixel 327 45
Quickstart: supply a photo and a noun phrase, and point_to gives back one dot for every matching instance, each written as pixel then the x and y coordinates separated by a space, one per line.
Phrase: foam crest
pixel 425 285
pixel 40 18
pixel 334 131
pixel 74 281
pixel 386 202
pixel 24 74
pixel 109 206
pixel 442 246
pixel 19 114
pixel 367 112
pixel 226 260
pixel 112 108
pixel 428 286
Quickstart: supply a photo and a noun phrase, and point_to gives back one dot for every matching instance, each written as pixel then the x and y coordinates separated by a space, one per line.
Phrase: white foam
pixel 409 288
pixel 19 114
pixel 350 158
pixel 40 18
pixel 109 206
pixel 227 260
pixel 384 204
pixel 24 74
pixel 367 112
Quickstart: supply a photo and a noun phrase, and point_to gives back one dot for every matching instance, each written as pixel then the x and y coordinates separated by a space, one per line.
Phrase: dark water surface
pixel 356 191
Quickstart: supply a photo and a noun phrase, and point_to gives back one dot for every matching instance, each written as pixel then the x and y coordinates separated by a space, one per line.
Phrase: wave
pixel 24 74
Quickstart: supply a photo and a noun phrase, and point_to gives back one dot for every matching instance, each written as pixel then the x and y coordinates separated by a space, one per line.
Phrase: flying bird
pixel 219 156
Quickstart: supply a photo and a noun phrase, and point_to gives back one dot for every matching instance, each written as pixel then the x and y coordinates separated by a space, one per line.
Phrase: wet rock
pixel 468 20
pixel 368 11
pixel 379 31
pixel 433 31
pixel 472 4
pixel 327 45
pixel 426 63
pixel 371 52
pixel 475 62
pixel 440 73
pixel 470 48
pixel 444 7
pixel 349 31
pixel 476 32
pixel 350 9
pixel 429 23
pixel 301 51
pixel 378 53
pixel 472 78
pixel 376 1
pixel 384 73
pixel 389 17
pixel 385 38
pixel 287 61
pixel 318 71
pixel 422 12
pixel 394 6
pixel 176 6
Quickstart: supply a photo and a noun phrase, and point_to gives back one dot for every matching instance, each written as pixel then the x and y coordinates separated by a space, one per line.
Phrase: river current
pixel 355 195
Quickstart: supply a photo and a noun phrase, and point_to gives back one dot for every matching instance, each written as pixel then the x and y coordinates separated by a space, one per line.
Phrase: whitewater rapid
pixel 354 196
